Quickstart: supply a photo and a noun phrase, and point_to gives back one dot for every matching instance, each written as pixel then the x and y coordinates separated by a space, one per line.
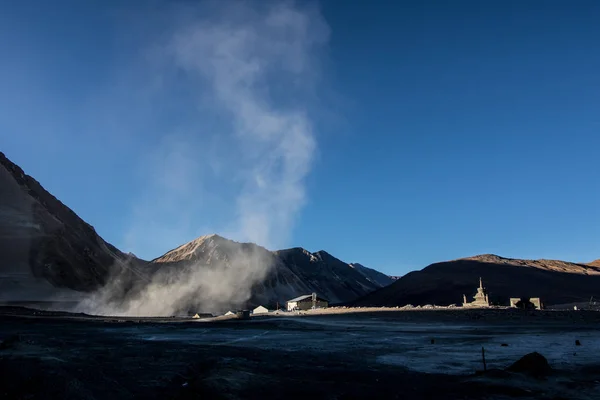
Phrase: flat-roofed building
pixel 307 302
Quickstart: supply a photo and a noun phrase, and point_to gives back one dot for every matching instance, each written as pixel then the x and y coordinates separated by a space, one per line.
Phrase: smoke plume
pixel 251 66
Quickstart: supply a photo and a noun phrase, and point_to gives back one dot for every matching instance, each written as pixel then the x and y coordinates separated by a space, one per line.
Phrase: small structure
pixel 480 299
pixel 260 310
pixel 527 303
pixel 243 314
pixel 229 313
pixel 197 315
pixel 306 302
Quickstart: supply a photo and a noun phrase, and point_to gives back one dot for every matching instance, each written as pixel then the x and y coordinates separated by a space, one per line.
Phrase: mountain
pixel 556 282
pixel 230 274
pixel 595 263
pixel 49 253
pixel 373 275
pixel 330 277
pixel 47 250
pixel 276 276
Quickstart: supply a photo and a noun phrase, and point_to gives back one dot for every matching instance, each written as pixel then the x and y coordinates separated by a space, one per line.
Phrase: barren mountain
pixel 595 263
pixel 330 277
pixel 556 282
pixel 548 265
pixel 277 276
pixel 49 253
pixel 373 275
pixel 45 246
pixel 231 274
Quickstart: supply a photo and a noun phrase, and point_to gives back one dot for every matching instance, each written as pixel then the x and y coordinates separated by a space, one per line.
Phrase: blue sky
pixel 395 134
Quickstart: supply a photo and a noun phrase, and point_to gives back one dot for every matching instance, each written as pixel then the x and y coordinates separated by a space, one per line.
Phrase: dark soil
pixel 58 358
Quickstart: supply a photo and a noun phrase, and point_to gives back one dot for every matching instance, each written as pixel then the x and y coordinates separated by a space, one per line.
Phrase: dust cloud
pixel 250 59
pixel 213 285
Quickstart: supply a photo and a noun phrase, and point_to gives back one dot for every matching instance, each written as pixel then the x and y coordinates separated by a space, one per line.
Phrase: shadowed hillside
pixel 444 283
pixel 48 253
pixel 44 245
pixel 270 277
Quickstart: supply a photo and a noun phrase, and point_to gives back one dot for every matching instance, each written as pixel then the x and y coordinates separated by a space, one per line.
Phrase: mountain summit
pixel 283 274
pixel 194 249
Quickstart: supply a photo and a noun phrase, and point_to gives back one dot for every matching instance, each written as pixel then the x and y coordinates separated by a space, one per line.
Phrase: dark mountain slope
pixel 42 241
pixel 276 276
pixel 46 250
pixel 373 275
pixel 444 283
pixel 232 274
pixel 330 277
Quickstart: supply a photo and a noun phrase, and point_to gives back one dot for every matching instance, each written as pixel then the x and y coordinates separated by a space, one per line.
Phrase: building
pixel 526 303
pixel 200 315
pixel 260 310
pixel 306 302
pixel 480 299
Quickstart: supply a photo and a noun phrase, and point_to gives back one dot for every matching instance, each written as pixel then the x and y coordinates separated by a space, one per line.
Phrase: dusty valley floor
pixel 397 354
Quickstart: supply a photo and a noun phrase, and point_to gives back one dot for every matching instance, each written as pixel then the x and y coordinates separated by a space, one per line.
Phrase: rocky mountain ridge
pixel 549 265
pixel 373 275
pixel 595 263
pixel 444 283
pixel 288 272
pixel 48 250
pixel 44 244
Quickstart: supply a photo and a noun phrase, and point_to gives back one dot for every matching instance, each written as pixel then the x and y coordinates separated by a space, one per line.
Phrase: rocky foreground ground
pixel 409 355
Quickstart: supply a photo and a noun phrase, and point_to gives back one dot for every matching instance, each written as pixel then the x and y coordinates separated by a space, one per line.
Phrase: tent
pixel 260 310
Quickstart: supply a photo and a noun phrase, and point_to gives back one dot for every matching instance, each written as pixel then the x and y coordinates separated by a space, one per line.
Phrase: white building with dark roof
pixel 306 302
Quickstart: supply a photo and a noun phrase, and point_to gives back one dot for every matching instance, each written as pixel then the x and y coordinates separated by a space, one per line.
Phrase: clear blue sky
pixel 437 129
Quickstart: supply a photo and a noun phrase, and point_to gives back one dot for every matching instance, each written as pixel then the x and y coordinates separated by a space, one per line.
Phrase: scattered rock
pixel 494 373
pixel 533 364
pixel 504 345
pixel 9 342
pixel 432 341
pixel 577 343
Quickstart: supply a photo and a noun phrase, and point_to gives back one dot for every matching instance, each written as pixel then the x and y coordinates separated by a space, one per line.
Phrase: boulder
pixel 533 364
pixel 9 342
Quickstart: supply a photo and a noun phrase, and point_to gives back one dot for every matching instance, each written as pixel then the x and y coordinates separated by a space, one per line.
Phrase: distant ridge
pixel 550 265
pixel 444 283
pixel 291 271
pixel 372 274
